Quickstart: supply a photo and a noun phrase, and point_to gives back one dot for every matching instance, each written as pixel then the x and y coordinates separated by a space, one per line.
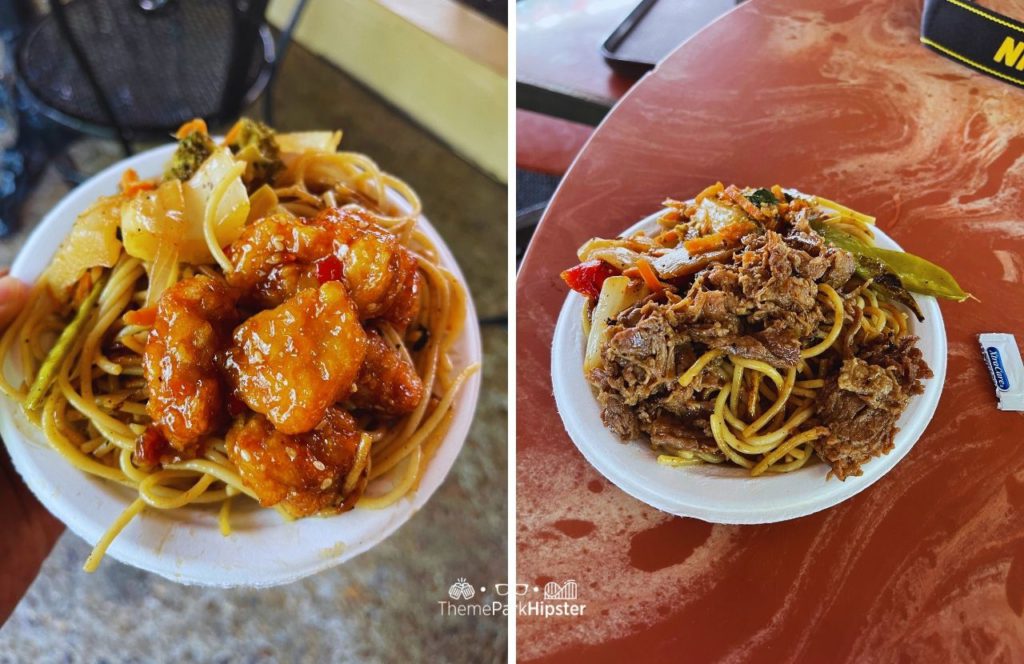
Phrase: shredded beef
pixel 674 434
pixel 758 304
pixel 618 417
pixel 640 359
pixel 861 404
pixel 763 303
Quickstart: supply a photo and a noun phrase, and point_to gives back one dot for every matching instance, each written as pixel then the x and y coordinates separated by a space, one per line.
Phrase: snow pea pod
pixel 886 283
pixel 60 350
pixel 915 273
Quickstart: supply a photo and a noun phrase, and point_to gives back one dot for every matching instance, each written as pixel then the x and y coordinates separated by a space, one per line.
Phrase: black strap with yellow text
pixel 975 36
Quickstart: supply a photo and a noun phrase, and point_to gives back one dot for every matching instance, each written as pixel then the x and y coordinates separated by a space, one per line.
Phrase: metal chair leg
pixel 283 42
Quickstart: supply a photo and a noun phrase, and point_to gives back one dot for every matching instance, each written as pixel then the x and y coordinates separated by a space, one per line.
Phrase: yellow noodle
pixel 785 447
pixel 718 427
pixel 96 408
pixel 759 366
pixel 699 365
pixel 775 408
pixel 837 323
pixel 98 551
pixel 737 382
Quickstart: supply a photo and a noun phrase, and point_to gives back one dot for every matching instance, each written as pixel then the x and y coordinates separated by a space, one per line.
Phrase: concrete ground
pixel 382 606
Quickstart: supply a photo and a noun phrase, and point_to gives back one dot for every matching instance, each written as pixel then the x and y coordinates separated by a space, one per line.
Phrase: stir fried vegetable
pixel 262 201
pixel 193 149
pixel 297 142
pixel 748 205
pixel 762 197
pixel 254 143
pixel 886 283
pixel 588 277
pixel 620 254
pixel 617 293
pixel 678 262
pixel 174 213
pixel 729 236
pixel 91 242
pixel 647 273
pixel 48 371
pixel 845 211
pixel 915 273
pixel 713 215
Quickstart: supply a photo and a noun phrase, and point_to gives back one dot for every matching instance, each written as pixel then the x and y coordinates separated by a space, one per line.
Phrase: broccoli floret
pixel 191 153
pixel 254 142
pixel 762 197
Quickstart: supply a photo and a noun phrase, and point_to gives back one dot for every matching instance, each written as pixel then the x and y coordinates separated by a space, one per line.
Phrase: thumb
pixel 13 294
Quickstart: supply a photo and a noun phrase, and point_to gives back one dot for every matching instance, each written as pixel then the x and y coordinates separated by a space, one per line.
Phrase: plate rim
pixel 124 548
pixel 565 347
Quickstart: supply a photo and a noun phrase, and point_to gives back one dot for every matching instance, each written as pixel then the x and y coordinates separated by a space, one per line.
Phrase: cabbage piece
pixel 231 213
pixel 154 218
pixel 163 272
pixel 297 142
pixel 617 293
pixel 92 242
pixel 612 252
pixel 174 213
pixel 262 203
pixel 678 262
pixel 716 215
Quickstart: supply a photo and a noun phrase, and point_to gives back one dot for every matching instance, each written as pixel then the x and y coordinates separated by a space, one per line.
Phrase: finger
pixel 13 294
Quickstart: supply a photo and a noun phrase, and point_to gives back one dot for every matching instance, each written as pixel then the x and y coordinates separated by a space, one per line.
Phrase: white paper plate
pixel 185 545
pixel 724 494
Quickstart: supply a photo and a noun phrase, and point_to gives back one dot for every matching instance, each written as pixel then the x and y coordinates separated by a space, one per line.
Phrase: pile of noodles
pixel 763 417
pixel 95 409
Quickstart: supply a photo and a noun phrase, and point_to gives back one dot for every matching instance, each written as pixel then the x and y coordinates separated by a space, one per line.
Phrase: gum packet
pixel 1004 365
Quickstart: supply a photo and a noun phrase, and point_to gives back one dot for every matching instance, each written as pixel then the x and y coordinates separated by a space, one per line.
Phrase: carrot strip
pixel 669 238
pixel 233 133
pixel 708 192
pixel 733 192
pixel 648 275
pixel 145 316
pixel 131 184
pixel 197 124
pixel 670 217
pixel 727 237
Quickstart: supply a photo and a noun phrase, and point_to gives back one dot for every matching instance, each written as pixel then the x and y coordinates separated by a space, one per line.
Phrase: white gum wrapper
pixel 1002 357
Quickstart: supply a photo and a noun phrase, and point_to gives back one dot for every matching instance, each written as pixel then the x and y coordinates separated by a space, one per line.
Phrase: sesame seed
pixel 319 465
pixel 326 483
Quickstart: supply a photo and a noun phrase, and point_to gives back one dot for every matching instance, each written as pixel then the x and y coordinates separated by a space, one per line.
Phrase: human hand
pixel 13 294
pixel 29 530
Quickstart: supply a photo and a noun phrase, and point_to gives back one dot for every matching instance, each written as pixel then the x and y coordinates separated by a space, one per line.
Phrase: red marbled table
pixel 836 98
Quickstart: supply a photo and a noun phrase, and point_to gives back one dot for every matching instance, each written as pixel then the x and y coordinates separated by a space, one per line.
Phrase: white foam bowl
pixel 723 493
pixel 185 545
